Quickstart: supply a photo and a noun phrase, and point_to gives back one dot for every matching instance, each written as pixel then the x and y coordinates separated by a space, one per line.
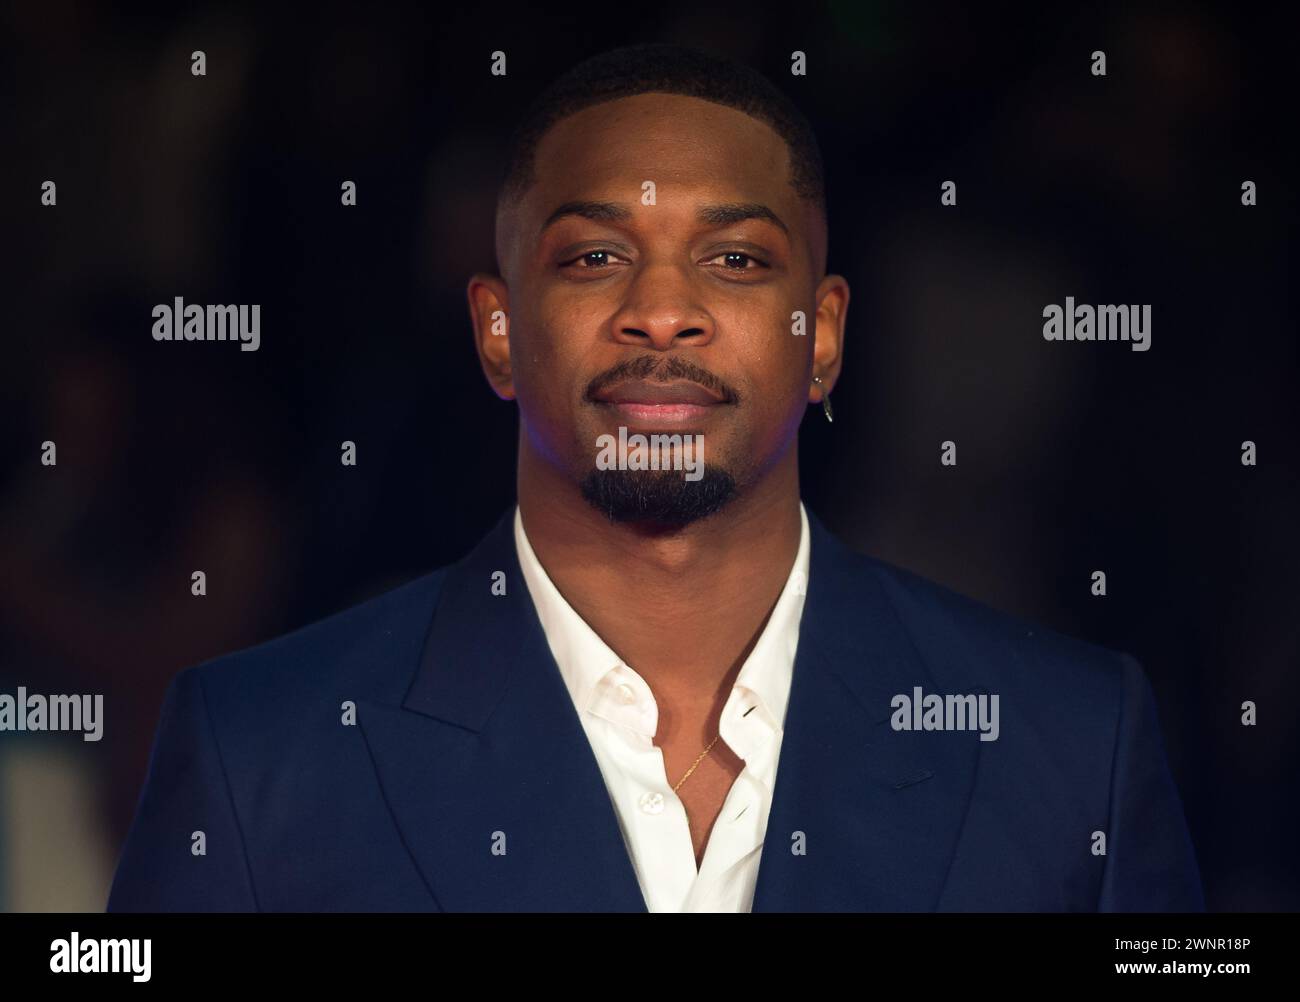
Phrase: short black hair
pixel 672 69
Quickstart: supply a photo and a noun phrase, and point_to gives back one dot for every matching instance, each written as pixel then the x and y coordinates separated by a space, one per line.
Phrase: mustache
pixel 661 370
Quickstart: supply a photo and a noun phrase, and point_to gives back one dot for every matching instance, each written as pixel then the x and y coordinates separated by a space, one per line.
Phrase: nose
pixel 661 311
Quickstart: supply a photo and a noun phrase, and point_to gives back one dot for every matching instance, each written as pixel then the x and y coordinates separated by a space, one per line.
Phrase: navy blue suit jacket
pixel 464 728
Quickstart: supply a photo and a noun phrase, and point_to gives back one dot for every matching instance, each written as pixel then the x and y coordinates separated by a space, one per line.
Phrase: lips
pixel 639 391
pixel 659 405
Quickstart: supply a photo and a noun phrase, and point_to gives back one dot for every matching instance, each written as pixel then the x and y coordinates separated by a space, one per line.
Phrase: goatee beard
pixel 659 498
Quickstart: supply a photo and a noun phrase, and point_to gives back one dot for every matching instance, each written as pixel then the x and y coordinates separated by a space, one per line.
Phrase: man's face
pixel 673 317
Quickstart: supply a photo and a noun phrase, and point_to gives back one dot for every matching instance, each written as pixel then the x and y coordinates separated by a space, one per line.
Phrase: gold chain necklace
pixel 697 762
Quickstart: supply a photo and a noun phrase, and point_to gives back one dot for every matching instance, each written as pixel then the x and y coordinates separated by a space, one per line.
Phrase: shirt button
pixel 626 693
pixel 652 803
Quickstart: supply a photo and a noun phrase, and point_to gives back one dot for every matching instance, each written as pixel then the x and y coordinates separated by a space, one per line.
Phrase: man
pixel 659 683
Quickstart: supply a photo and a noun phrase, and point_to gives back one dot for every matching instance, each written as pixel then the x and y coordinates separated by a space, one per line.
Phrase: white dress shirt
pixel 619 713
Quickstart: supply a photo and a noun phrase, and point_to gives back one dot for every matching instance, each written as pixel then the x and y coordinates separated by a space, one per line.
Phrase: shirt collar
pixel 584 659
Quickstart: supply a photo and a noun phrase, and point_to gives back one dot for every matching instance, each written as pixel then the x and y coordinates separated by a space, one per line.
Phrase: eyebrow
pixel 715 215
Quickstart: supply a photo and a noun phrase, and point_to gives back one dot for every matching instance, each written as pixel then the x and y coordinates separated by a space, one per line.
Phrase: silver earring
pixel 826 398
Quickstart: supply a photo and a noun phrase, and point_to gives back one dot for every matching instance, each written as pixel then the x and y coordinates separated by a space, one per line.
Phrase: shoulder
pixel 368 650
pixel 966 642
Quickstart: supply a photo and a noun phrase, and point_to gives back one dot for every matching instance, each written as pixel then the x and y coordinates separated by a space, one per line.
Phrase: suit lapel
pixel 876 812
pixel 499 799
pixel 486 766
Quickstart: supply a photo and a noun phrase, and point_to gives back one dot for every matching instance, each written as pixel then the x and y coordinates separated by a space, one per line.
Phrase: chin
pixel 662 499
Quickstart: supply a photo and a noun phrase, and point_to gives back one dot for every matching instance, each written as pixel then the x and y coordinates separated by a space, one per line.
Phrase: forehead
pixel 678 142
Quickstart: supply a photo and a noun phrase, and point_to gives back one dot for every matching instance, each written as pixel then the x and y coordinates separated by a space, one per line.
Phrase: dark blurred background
pixel 1072 457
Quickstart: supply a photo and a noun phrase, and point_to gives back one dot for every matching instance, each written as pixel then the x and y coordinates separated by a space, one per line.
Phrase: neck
pixel 683 609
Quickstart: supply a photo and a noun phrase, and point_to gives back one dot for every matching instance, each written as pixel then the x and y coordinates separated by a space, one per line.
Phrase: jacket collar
pixel 500 801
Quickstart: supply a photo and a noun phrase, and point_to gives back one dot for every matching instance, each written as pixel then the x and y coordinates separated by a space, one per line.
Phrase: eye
pixel 735 261
pixel 593 260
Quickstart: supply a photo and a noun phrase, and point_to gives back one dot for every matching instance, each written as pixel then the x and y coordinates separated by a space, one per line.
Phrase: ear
pixel 828 335
pixel 489 312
